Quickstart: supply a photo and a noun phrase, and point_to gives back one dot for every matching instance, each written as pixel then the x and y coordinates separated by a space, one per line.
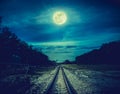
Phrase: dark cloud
pixel 90 23
pixel 95 47
pixel 71 46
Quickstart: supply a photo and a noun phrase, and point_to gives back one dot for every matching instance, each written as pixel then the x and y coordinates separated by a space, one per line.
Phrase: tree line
pixel 14 50
pixel 108 53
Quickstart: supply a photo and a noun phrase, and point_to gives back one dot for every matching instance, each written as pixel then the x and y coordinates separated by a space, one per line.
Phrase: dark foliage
pixel 13 50
pixel 107 54
pixel 67 62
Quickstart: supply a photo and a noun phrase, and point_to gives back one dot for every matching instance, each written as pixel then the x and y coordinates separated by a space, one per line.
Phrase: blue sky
pixel 90 23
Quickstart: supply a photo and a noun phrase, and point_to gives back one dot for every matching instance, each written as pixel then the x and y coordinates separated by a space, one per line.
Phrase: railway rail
pixel 60 84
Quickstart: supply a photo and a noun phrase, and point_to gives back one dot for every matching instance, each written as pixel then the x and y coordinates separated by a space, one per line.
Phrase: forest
pixel 13 50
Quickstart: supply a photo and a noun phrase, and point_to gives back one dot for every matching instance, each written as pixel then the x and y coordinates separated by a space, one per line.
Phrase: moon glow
pixel 59 17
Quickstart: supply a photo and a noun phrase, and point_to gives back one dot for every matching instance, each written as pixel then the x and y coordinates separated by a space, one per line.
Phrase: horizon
pixel 86 25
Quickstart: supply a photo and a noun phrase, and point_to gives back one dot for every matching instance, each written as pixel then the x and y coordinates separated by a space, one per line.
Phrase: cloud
pixel 90 23
pixel 61 53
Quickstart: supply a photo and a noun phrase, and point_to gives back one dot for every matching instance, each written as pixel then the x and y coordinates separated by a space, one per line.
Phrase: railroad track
pixel 60 84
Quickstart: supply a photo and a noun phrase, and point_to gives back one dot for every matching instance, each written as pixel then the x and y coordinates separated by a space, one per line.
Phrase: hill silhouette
pixel 109 53
pixel 13 50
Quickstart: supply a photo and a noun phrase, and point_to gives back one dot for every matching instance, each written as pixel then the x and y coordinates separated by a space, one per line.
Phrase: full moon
pixel 59 17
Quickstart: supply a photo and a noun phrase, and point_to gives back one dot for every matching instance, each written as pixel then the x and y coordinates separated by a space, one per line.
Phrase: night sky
pixel 90 23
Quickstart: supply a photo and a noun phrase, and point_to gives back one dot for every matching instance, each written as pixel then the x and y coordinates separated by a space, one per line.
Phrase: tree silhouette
pixel 13 50
pixel 107 54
